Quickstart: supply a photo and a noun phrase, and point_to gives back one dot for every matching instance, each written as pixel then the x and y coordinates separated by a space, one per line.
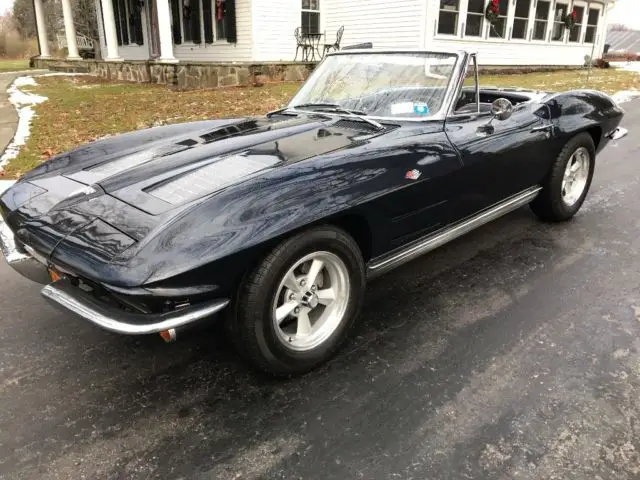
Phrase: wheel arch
pixel 596 134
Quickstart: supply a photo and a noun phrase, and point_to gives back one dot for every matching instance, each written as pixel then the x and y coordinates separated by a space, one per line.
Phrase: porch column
pixel 164 32
pixel 110 33
pixel 70 31
pixel 42 29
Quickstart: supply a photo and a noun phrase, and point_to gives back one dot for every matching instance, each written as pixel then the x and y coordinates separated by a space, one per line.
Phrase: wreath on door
pixel 492 12
pixel 570 19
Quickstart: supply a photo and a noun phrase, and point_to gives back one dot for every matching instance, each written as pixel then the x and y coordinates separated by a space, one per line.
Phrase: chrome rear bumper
pixel 62 294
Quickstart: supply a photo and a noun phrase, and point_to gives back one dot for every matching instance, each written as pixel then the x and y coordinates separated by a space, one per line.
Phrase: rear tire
pixel 296 308
pixel 567 184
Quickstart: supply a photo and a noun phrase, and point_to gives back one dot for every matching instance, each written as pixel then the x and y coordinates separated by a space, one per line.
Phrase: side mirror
pixel 501 109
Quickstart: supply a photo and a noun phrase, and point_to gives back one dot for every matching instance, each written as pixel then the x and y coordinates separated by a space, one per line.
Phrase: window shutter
pixel 230 21
pixel 175 19
pixel 116 14
pixel 123 20
pixel 136 22
pixel 194 21
pixel 208 20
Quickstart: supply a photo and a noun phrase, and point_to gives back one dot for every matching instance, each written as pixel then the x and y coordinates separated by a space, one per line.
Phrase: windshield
pixel 396 85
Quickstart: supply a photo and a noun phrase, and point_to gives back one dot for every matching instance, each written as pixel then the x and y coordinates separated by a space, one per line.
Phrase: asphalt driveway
pixel 512 353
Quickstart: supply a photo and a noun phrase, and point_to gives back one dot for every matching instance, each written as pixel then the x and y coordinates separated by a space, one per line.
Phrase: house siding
pixel 502 52
pixel 386 24
pixel 222 51
pixel 274 23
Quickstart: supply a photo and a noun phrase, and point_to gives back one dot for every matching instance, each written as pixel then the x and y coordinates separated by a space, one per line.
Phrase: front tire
pixel 566 186
pixel 296 308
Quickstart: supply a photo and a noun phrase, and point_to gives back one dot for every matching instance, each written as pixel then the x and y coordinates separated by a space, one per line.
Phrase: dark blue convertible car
pixel 275 224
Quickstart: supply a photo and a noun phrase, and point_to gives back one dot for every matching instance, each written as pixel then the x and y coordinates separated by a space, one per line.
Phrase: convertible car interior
pixel 467 100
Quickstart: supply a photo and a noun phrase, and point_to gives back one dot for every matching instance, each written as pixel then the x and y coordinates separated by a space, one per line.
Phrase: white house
pixel 527 32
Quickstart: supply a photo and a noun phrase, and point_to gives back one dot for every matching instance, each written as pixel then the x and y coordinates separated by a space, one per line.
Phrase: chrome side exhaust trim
pixel 435 240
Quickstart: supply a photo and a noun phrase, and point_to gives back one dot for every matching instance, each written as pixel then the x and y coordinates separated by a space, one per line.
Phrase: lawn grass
pixel 83 108
pixel 13 65
pixel 606 80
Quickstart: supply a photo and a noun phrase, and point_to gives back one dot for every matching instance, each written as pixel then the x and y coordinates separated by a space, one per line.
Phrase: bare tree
pixel 24 17
pixel 84 17
pixel 618 27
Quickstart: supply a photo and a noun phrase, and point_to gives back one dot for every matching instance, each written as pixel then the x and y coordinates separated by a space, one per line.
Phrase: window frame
pixel 507 17
pixel 309 10
pixel 587 25
pixel 457 31
pixel 214 26
pixel 565 35
pixel 529 19
pixel 465 23
pixel 537 20
pixel 119 21
pixel 579 24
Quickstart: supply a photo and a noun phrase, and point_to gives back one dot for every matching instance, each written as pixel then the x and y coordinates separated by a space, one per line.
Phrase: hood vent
pixel 355 125
pixel 211 178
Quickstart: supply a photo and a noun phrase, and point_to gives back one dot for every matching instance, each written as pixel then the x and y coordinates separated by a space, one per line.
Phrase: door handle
pixel 544 128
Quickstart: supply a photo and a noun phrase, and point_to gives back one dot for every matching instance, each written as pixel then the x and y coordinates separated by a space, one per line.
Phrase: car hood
pixel 85 207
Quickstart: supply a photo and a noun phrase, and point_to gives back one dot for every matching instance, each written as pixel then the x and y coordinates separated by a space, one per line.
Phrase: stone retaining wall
pixel 185 75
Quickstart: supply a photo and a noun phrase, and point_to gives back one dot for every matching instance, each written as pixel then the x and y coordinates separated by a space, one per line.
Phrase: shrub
pixel 12 46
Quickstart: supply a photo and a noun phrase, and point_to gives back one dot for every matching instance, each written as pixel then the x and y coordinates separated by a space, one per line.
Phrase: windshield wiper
pixel 335 108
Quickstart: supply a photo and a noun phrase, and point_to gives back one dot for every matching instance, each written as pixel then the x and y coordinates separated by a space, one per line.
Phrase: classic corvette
pixel 275 224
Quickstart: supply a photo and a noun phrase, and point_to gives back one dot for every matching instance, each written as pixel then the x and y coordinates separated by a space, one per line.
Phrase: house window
pixel 194 20
pixel 128 17
pixel 521 20
pixel 576 31
pixel 448 18
pixel 475 18
pixel 592 25
pixel 191 28
pixel 540 23
pixel 310 16
pixel 558 25
pixel 499 28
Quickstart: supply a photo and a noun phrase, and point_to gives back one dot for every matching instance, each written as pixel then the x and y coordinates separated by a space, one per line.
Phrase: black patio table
pixel 312 42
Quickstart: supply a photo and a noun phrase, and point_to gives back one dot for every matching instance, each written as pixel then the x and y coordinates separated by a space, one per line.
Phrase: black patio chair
pixel 334 46
pixel 300 44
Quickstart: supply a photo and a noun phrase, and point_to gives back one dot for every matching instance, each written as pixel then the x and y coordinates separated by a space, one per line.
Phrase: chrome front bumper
pixel 63 295
pixel 20 260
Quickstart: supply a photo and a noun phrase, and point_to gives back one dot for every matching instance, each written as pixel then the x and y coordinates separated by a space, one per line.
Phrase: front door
pixel 500 157
pixel 152 28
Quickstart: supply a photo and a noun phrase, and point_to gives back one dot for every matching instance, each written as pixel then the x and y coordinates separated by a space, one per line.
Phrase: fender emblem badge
pixel 413 174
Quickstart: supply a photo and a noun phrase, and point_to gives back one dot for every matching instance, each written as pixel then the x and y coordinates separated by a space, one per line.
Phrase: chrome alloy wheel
pixel 311 301
pixel 576 175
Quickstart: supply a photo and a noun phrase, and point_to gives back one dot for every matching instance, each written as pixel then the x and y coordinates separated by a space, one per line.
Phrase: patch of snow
pixel 62 74
pixel 24 103
pixel 5 184
pixel 24 81
pixel 628 66
pixel 625 96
